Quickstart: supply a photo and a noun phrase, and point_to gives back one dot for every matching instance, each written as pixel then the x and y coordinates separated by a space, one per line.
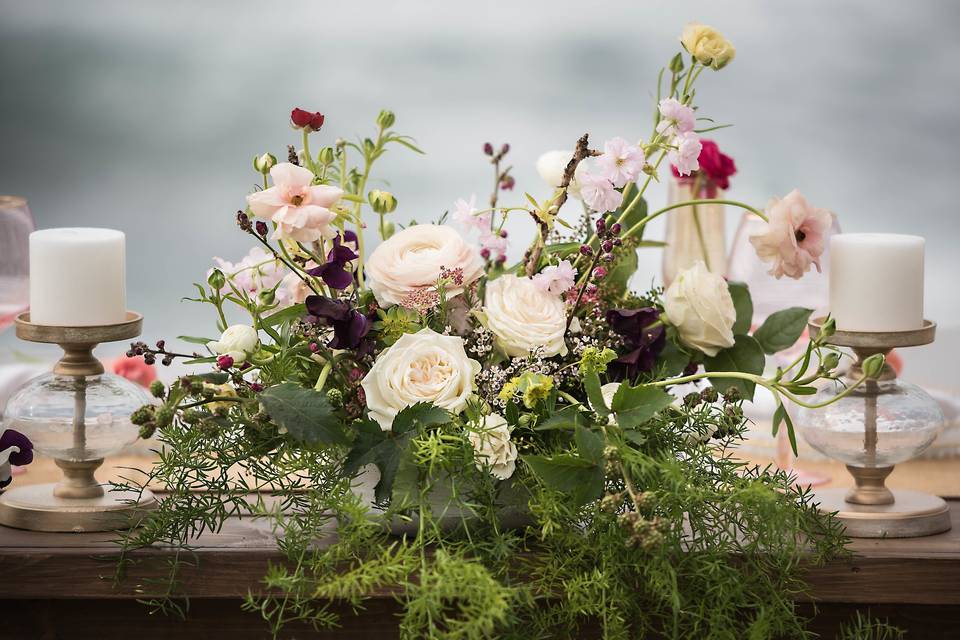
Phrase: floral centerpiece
pixel 461 384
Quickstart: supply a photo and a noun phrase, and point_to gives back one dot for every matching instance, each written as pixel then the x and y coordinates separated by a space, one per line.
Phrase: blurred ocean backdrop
pixel 145 116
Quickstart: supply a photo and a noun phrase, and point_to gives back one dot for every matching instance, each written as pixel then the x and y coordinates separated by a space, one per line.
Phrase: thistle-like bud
pixel 216 279
pixel 164 416
pixel 382 201
pixel 326 156
pixel 264 163
pixel 158 389
pixel 147 430
pixel 386 119
pixel 873 366
pixel 143 415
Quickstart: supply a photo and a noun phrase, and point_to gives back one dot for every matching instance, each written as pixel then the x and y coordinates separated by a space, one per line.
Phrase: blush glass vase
pixel 694 233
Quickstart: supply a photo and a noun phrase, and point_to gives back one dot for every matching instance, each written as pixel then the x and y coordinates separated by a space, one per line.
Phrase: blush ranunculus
pixel 300 209
pixel 795 236
pixel 411 260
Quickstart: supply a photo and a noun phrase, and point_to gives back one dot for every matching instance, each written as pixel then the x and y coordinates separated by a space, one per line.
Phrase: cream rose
pixel 493 447
pixel 707 45
pixel 524 318
pixel 420 367
pixel 699 305
pixel 412 259
pixel 239 341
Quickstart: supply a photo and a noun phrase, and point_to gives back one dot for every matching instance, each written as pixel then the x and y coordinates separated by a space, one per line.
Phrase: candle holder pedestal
pixel 77 414
pixel 884 422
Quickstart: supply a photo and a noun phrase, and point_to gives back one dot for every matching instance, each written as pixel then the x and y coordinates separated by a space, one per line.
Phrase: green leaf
pixel 567 418
pixel 633 406
pixel 373 445
pixel 405 481
pixel 195 339
pixel 745 356
pixel 781 415
pixel 744 306
pixel 562 248
pixel 284 315
pixel 422 414
pixel 591 383
pixel 589 444
pixel 305 413
pixel 581 479
pixel 214 378
pixel 619 274
pixel 512 413
pixel 782 329
pixel 672 360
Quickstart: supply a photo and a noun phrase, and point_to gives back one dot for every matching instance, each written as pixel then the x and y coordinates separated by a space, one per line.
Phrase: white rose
pixel 411 259
pixel 239 341
pixel 552 165
pixel 493 447
pixel 524 318
pixel 420 367
pixel 699 305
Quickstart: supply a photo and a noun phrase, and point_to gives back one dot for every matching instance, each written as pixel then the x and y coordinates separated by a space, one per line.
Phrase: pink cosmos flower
pixel 795 237
pixel 621 162
pixel 464 213
pixel 675 118
pixel 300 209
pixel 685 157
pixel 598 193
pixel 556 279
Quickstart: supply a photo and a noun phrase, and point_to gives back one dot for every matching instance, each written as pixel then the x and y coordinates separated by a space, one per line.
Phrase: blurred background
pixel 145 117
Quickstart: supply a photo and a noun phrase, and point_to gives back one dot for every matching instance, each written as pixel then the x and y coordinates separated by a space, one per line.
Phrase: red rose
pixel 715 167
pixel 312 120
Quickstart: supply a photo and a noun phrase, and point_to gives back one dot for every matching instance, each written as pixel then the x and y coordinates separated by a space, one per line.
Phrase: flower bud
pixel 507 183
pixel 267 297
pixel 607 246
pixel 261 228
pixel 601 225
pixel 599 273
pixel 504 149
pixel 264 163
pixel 829 328
pixel 309 120
pixel 676 64
pixel 216 279
pixel 386 119
pixel 224 362
pixel 157 389
pixel 368 146
pixel 326 156
pixel 382 201
pixel 586 250
pixel 488 148
pixel 615 229
pixel 485 253
pixel 873 366
pixel 830 361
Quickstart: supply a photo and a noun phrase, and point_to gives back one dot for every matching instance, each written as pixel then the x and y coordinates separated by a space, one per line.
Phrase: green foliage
pixel 578 478
pixel 866 627
pixel 634 406
pixel 782 329
pixel 305 413
pixel 743 304
pixel 745 356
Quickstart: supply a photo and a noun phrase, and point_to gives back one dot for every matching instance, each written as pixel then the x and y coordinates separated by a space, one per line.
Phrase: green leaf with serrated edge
pixel 633 406
pixel 636 437
pixel 782 329
pixel 591 383
pixel 589 444
pixel 422 414
pixel 405 483
pixel 580 479
pixel 743 304
pixel 285 315
pixel 512 413
pixel 374 446
pixel 745 356
pixel 305 413
pixel 195 339
pixel 566 418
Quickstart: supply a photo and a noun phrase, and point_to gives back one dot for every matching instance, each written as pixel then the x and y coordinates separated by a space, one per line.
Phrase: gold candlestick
pixel 78 502
pixel 898 421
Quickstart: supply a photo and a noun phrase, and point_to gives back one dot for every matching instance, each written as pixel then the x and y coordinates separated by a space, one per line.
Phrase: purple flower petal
pixel 11 438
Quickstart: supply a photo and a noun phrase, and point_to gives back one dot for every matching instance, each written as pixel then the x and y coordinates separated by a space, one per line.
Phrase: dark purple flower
pixel 333 272
pixel 350 327
pixel 23 457
pixel 643 340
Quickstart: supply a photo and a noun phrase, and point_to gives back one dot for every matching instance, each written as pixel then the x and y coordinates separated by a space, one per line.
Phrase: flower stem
pixel 656 214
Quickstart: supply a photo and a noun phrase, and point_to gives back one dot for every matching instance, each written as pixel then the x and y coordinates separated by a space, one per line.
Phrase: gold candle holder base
pixel 77 503
pixel 869 509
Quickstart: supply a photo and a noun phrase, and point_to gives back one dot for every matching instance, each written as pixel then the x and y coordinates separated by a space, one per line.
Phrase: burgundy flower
pixel 311 120
pixel 350 327
pixel 715 169
pixel 643 340
pixel 333 272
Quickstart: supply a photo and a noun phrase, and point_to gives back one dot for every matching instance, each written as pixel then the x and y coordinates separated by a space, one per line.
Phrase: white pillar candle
pixel 77 277
pixel 876 281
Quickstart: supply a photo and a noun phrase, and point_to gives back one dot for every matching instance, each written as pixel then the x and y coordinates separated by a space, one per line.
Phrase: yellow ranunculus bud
pixel 707 45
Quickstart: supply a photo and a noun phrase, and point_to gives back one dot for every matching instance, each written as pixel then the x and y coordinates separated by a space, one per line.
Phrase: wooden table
pixel 60 586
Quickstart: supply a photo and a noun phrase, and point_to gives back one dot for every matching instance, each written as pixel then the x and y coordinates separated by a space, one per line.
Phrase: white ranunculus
pixel 239 341
pixel 494 449
pixel 551 166
pixel 699 305
pixel 420 367
pixel 411 260
pixel 524 318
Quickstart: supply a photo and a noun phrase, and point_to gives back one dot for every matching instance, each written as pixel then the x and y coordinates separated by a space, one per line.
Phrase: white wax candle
pixel 77 277
pixel 876 281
